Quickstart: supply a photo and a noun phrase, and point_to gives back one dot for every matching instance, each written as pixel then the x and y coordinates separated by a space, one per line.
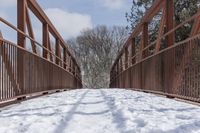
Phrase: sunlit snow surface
pixel 100 111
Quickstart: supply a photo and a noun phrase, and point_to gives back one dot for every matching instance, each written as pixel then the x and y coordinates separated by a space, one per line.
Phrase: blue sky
pixel 71 16
pixel 100 12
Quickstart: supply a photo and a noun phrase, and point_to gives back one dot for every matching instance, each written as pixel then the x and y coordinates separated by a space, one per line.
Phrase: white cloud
pixel 8 3
pixel 3 15
pixel 68 24
pixel 113 4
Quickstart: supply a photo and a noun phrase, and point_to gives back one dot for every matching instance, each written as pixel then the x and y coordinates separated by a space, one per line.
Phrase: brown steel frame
pixel 13 58
pixel 174 65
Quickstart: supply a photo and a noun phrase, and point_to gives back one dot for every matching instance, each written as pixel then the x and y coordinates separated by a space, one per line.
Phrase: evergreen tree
pixel 183 10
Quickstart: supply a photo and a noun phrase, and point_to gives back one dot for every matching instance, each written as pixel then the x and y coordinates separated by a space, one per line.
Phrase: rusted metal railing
pixel 41 69
pixel 163 66
pixel 39 74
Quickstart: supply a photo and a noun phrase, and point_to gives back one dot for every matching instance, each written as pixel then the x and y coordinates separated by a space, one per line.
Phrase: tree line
pixel 95 49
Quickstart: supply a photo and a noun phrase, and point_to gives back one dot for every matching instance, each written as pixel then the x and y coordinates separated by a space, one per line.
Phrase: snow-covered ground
pixel 100 111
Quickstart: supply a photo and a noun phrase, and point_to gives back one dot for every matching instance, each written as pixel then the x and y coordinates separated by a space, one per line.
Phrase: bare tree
pixel 96 50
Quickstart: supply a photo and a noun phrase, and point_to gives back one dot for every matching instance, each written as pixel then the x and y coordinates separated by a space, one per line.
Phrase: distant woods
pixel 95 49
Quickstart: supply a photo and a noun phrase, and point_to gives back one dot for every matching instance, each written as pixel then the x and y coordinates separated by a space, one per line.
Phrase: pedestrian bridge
pixel 167 66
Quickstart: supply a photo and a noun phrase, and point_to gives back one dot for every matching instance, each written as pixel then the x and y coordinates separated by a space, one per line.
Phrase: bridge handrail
pixel 167 65
pixel 153 43
pixel 25 50
pixel 40 74
pixel 151 56
pixel 149 74
pixel 127 43
pixel 40 45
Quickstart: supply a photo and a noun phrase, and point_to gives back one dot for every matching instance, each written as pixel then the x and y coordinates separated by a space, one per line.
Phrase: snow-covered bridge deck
pixel 100 111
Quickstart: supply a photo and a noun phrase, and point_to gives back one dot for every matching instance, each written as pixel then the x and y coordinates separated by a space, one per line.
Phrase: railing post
pixel 21 41
pixel 126 58
pixel 65 57
pixel 121 65
pixel 144 41
pixel 49 48
pixel 169 6
pixel 132 51
pixel 21 22
pixel 169 57
pixel 121 70
pixel 57 51
pixel 145 38
pixel 1 37
pixel 45 40
pixel 196 25
pixel 118 72
pixel 70 64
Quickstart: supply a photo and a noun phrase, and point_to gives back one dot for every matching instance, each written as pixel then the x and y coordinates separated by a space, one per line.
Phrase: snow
pixel 100 111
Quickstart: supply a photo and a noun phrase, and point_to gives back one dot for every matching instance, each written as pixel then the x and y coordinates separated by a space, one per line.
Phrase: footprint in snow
pixel 140 122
